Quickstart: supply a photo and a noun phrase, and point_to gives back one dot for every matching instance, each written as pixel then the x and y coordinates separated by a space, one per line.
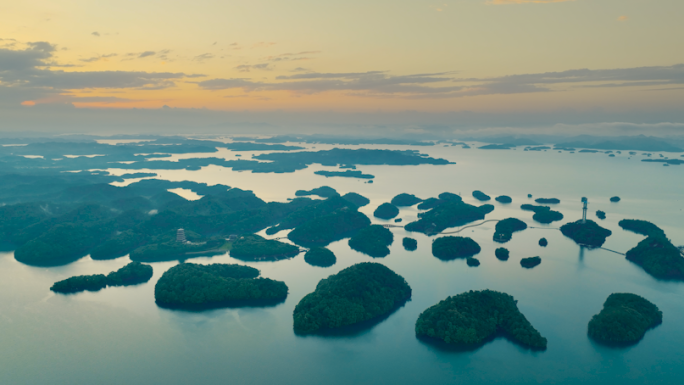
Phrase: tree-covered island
pixel 320 231
pixel 600 214
pixel 472 318
pixel 448 214
pixel 543 214
pixel 193 286
pixel 323 192
pixel 588 233
pixel 372 240
pixel 345 174
pixel 506 227
pixel 132 274
pixel 449 247
pixel 479 195
pixel 624 319
pixel 320 256
pixel 252 247
pixel 472 262
pixel 386 211
pixel 405 200
pixel 641 227
pixel 530 262
pixel 359 293
pixel 503 199
pixel 502 253
pixel 659 257
pixel 546 201
pixel 409 244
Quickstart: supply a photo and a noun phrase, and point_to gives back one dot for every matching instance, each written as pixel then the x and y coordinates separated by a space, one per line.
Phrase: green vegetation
pixel 479 195
pixel 429 203
pixel 253 247
pixel 659 257
pixel 624 319
pixel 546 201
pixel 356 199
pixel 600 214
pixel 474 317
pixel 641 227
pixel 504 146
pixel 543 242
pixel 404 199
pixel 543 214
pixel 321 231
pixel 502 253
pixel 448 248
pixel 503 199
pixel 386 211
pixel 359 293
pixel 323 192
pixel 320 256
pixel 310 212
pixel 448 214
pixel 530 262
pixel 345 174
pixel 615 199
pixel 172 250
pixel 80 283
pixel 506 227
pixel 409 244
pixel 589 233
pixel 372 240
pixel 189 285
pixel 338 156
pixel 132 274
pixel 119 245
pixel 472 262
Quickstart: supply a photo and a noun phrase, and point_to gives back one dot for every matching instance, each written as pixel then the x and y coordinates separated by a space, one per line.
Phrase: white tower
pixel 180 236
pixel 585 201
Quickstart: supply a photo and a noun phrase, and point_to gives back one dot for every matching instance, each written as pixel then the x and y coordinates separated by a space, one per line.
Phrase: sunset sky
pixel 482 56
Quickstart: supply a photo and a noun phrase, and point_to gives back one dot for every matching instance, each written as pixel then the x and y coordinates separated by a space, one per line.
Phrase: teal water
pixel 119 335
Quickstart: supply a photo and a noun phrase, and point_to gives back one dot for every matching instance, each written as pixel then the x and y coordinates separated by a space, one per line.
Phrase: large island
pixel 472 318
pixel 448 248
pixel 372 240
pixel 624 319
pixel 588 233
pixel 359 293
pixel 253 247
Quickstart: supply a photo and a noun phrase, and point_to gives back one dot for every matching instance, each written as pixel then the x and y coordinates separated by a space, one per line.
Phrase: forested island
pixel 386 211
pixel 356 199
pixel 359 293
pixel 320 256
pixel 547 201
pixel 323 192
pixel 405 200
pixel 472 262
pixel 449 247
pixel 372 240
pixel 615 199
pixel 659 257
pixel 503 199
pixel 600 214
pixel 192 286
pixel 479 195
pixel 252 247
pixel 502 253
pixel 588 233
pixel 543 214
pixel 321 231
pixel 448 214
pixel 641 227
pixel 506 227
pixel 530 262
pixel 409 244
pixel 345 174
pixel 543 242
pixel 624 319
pixel 475 317
pixel 132 274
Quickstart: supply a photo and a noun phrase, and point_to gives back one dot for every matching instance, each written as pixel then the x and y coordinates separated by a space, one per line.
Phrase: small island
pixel 502 254
pixel 503 199
pixel 323 192
pixel 641 227
pixel 386 211
pixel 547 201
pixel 600 214
pixel 448 214
pixel 624 319
pixel 530 262
pixel 345 174
pixel 132 274
pixel 586 234
pixel 479 195
pixel 405 200
pixel 320 256
pixel 472 262
pixel 252 247
pixel 372 240
pixel 356 199
pixel 409 244
pixel 505 228
pixel 449 248
pixel 472 318
pixel 359 293
pixel 193 286
pixel 543 242
pixel 659 257
pixel 543 214
pixel 615 199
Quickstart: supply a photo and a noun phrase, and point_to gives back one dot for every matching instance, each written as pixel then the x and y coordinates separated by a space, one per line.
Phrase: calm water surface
pixel 119 335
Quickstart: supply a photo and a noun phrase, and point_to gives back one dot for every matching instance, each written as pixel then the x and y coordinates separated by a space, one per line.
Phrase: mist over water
pixel 119 335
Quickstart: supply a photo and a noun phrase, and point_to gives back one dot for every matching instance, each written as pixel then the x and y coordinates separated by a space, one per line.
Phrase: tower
pixel 585 202
pixel 180 236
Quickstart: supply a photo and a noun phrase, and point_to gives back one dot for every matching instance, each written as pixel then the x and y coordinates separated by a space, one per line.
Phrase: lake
pixel 119 335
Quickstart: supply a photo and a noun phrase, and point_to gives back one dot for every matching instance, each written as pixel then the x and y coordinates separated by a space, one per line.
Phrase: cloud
pixel 146 54
pixel 95 34
pixel 499 2
pixel 97 58
pixel 203 57
pixel 248 67
pixel 623 18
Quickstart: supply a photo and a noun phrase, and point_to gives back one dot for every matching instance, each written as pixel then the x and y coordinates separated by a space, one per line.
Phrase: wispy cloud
pixel 500 2
pixel 250 67
pixel 203 57
pixel 95 34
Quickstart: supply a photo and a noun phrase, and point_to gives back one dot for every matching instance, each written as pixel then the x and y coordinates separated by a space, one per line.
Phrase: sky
pixel 77 63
